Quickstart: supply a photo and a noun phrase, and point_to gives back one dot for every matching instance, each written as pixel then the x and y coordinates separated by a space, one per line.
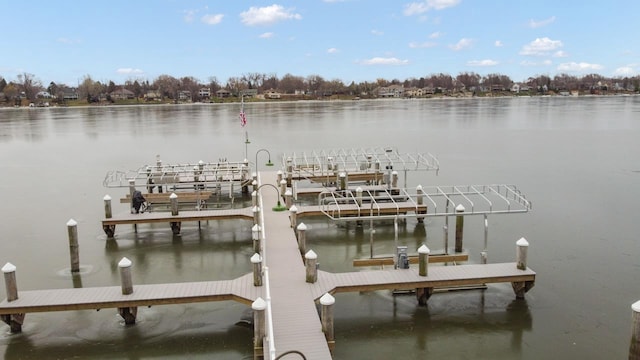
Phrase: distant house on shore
pixel 152 95
pixel 122 94
pixel 222 93
pixel 272 94
pixel 249 92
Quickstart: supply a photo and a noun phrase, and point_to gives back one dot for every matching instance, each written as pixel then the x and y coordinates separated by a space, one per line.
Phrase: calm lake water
pixel 576 159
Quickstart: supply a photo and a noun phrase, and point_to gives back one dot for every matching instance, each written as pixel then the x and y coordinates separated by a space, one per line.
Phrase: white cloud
pixel 534 63
pixel 129 71
pixel 578 67
pixel 534 24
pixel 189 15
pixel 423 45
pixel 212 19
pixel 541 46
pixel 486 62
pixel 384 61
pixel 560 53
pixel 377 32
pixel 498 43
pixel 266 35
pixel 417 8
pixel 629 70
pixel 333 51
pixel 267 15
pixel 462 44
pixel 435 35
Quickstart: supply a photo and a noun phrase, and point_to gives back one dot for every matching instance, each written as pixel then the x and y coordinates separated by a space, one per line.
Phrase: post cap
pixel 132 181
pixel 302 227
pixel 635 306
pixel 419 188
pixel 342 174
pixel 283 182
pixel 327 299
pixel 106 198
pixel 254 193
pixel 259 304
pixel 8 268
pixel 279 172
pixel 311 255
pixel 424 249
pixel 255 228
pixel 460 208
pixel 293 209
pixel 200 162
pixel 358 189
pixel 394 172
pixel 173 196
pixel 124 263
pixel 72 222
pixel 522 242
pixel 255 209
pixel 288 192
pixel 256 258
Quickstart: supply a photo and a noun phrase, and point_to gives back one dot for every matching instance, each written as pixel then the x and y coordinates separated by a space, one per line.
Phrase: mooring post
pixel 289 170
pixel 256 215
pixel 254 198
pixel 10 283
pixel 420 201
pixel 634 347
pixel 255 234
pixel 302 238
pixel 459 227
pixel 174 204
pixel 132 188
pixel 256 260
pixel 72 230
pixel 288 198
pixel 423 257
pixel 326 315
pixel 279 177
pixel 311 263
pixel 342 181
pixel 107 207
pixel 283 187
pixel 293 210
pixel 394 181
pixel 521 258
pixel 259 323
pixel 359 196
pixel 125 276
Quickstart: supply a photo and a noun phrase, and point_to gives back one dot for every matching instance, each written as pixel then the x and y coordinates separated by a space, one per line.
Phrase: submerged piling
pixel 72 230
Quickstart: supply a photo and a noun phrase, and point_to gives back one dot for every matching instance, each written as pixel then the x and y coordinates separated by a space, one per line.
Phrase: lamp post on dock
pixel 269 163
pixel 279 206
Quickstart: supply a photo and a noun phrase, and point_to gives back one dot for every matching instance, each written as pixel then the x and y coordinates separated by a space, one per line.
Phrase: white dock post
pixel 420 201
pixel 256 215
pixel 132 188
pixel 283 186
pixel 259 324
pixel 326 315
pixel 108 213
pixel 72 230
pixel 394 180
pixel 293 210
pixel 256 260
pixel 634 347
pixel 278 176
pixel 342 181
pixel 459 227
pixel 359 196
pixel 289 170
pixel 311 263
pixel 10 283
pixel 254 198
pixel 174 204
pixel 125 276
pixel 288 198
pixel 521 258
pixel 423 257
pixel 302 238
pixel 255 234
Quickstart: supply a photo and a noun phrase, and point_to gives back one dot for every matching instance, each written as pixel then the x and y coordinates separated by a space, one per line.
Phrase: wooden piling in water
pixel 255 235
pixel 125 276
pixel 288 198
pixel 283 186
pixel 302 238
pixel 259 326
pixel 326 317
pixel 108 213
pixel 634 346
pixel 521 258
pixel 311 264
pixel 256 260
pixel 293 212
pixel 420 201
pixel 256 215
pixel 459 227
pixel 423 260
pixel 14 321
pixel 74 255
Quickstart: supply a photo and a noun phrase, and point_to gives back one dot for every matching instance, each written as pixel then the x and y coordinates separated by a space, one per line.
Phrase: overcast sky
pixel 351 40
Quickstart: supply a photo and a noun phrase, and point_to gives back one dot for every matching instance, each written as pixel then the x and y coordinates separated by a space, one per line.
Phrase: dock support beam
pixel 259 326
pixel 13 320
pixel 72 230
pixel 459 227
pixel 302 238
pixel 326 314
pixel 128 313
pixel 311 263
pixel 634 347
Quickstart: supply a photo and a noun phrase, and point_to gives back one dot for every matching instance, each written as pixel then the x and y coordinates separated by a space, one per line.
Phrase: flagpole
pixel 243 122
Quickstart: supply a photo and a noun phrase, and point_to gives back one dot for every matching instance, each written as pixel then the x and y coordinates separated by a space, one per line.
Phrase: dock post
pixel 278 176
pixel 132 188
pixel 394 183
pixel 342 181
pixel 293 210
pixel 423 255
pixel 127 313
pixel 521 258
pixel 302 238
pixel 72 230
pixel 288 198
pixel 459 227
pixel 259 325
pixel 289 170
pixel 254 198
pixel 359 196
pixel 174 204
pixel 283 186
pixel 13 320
pixel 256 215
pixel 420 201
pixel 326 315
pixel 634 347
pixel 108 213
pixel 311 263
pixel 256 260
pixel 255 234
